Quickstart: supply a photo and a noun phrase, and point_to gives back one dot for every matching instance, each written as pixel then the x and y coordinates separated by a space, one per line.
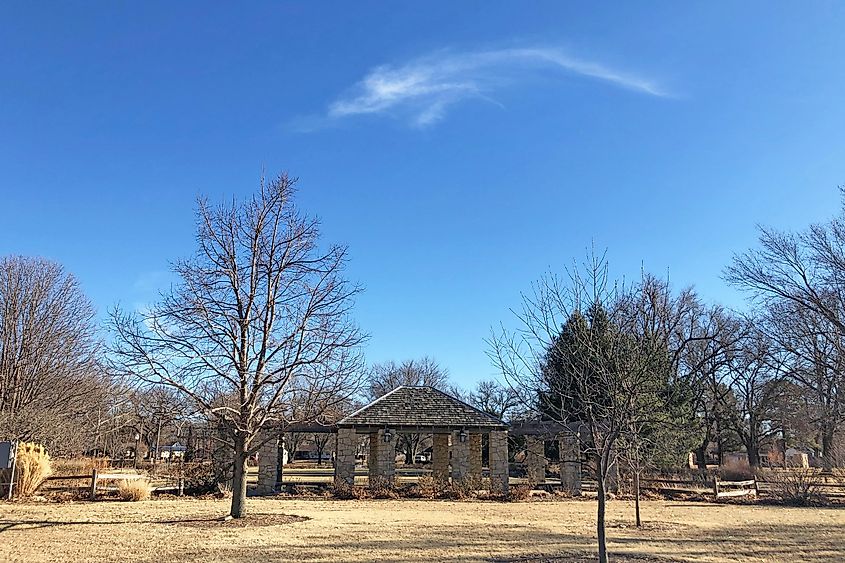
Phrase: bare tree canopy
pixel 494 398
pixel 49 373
pixel 798 279
pixel 385 377
pixel 598 355
pixel 258 331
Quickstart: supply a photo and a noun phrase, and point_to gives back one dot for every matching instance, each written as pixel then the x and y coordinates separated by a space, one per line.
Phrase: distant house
pixel 174 451
pixel 307 451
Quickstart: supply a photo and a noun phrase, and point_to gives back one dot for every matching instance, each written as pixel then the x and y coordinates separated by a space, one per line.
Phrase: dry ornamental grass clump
pixel 32 467
pixel 134 489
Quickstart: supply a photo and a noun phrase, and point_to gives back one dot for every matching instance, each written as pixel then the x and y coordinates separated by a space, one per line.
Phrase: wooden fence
pixel 827 486
pixel 95 480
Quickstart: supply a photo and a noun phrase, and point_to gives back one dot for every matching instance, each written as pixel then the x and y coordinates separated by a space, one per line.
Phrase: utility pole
pixel 158 440
pixel 137 445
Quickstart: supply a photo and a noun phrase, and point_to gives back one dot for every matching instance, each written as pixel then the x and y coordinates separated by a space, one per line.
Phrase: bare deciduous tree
pixel 799 280
pixel 494 398
pixel 258 331
pixel 815 360
pixel 755 378
pixel 49 370
pixel 385 377
pixel 579 356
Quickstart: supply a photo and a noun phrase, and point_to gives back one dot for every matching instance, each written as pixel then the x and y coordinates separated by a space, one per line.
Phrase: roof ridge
pixel 464 403
pixel 425 403
pixel 370 404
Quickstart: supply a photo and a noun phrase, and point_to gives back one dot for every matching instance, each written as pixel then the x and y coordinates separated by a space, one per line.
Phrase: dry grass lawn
pixel 185 530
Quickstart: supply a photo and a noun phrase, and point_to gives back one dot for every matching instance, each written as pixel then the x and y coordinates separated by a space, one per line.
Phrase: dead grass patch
pixel 363 531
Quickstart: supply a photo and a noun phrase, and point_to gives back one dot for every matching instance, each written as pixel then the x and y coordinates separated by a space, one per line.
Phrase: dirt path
pixel 356 531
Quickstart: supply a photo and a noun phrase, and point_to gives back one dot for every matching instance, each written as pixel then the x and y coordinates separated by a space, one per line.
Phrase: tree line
pixel 259 330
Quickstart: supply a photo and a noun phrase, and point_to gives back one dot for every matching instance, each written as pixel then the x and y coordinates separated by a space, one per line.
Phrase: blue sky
pixel 459 150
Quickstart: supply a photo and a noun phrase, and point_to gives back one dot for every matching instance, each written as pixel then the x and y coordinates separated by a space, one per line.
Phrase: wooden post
pixel 13 453
pixel 716 486
pixel 93 484
pixel 181 486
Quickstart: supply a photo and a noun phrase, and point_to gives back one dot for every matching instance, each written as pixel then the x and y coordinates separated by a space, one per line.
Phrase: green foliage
pixel 569 368
pixel 619 372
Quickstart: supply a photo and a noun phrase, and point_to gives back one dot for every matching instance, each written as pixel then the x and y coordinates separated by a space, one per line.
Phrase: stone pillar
pixel 535 460
pixel 440 457
pixel 460 457
pixel 570 463
pixel 268 465
pixel 347 447
pixel 499 462
pixel 382 465
pixel 475 462
pixel 372 456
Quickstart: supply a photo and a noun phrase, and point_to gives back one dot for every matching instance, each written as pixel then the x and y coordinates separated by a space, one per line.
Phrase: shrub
pixel 199 479
pixel 32 467
pixel 519 492
pixel 382 488
pixel 466 488
pixel 134 489
pixel 798 487
pixel 344 491
pixel 429 487
pixel 736 470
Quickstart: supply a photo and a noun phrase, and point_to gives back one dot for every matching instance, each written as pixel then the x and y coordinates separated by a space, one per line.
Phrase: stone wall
pixel 570 463
pixel 383 464
pixel 475 461
pixel 460 456
pixel 268 466
pixel 372 455
pixel 499 462
pixel 440 457
pixel 347 447
pixel 535 460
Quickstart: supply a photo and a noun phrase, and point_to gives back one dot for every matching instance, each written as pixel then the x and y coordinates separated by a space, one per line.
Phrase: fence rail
pixel 94 481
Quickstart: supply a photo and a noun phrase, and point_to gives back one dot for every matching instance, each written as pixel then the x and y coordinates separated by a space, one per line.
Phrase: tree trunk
pixel 827 448
pixel 602 504
pixel 753 452
pixel 410 448
pixel 701 457
pixel 239 474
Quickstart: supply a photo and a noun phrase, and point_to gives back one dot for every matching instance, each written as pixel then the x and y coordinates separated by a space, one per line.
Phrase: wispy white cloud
pixel 422 90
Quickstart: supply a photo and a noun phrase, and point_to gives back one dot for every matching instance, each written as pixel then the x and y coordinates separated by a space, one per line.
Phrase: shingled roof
pixel 420 407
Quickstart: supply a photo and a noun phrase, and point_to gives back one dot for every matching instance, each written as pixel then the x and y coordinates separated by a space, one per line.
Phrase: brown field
pixel 186 530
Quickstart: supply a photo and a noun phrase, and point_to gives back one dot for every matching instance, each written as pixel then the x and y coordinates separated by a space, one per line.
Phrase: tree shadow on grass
pixel 464 544
pixel 251 520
